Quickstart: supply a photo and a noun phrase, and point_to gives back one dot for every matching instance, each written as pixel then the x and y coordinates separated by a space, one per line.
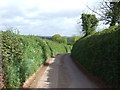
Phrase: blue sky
pixel 44 17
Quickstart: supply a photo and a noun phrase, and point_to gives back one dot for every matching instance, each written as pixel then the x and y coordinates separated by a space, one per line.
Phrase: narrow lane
pixel 63 73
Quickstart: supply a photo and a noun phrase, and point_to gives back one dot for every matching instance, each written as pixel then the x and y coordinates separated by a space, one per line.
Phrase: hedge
pixel 99 54
pixel 22 55
pixel 61 48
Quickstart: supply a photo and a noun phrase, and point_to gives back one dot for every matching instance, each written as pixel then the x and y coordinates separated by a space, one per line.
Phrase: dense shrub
pixel 22 55
pixel 74 39
pixel 58 38
pixel 55 47
pixel 99 53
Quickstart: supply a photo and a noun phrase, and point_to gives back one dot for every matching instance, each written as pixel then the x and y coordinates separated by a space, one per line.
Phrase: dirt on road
pixel 62 73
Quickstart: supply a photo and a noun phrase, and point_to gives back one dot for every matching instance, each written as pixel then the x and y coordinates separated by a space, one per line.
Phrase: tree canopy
pixel 112 13
pixel 109 12
pixel 58 38
pixel 89 23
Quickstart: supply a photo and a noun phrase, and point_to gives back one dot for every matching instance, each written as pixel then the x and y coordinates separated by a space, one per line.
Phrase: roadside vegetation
pixel 99 54
pixel 22 55
pixel 65 40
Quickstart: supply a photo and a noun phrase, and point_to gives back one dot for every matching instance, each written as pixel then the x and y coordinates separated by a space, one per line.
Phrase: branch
pixel 94 11
pixel 107 4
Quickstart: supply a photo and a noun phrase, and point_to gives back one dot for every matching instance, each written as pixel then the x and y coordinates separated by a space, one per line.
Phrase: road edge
pixel 89 75
pixel 30 80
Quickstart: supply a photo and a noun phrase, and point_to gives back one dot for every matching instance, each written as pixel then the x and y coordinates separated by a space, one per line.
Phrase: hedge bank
pixel 22 55
pixel 99 54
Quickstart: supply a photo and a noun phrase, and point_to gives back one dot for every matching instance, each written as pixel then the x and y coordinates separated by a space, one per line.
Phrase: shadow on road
pixel 61 72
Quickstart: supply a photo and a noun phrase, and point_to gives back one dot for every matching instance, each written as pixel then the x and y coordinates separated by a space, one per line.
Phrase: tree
pixel 56 37
pixel 109 12
pixel 59 39
pixel 114 13
pixel 89 23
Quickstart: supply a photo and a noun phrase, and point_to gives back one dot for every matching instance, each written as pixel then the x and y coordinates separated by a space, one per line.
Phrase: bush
pixel 58 38
pixel 99 53
pixel 57 48
pixel 74 39
pixel 22 55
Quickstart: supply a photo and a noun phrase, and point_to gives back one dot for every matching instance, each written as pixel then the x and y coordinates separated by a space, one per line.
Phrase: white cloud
pixel 3 3
pixel 44 17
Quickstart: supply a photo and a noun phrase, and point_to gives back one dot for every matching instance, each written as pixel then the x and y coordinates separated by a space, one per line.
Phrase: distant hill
pixel 46 37
pixel 50 37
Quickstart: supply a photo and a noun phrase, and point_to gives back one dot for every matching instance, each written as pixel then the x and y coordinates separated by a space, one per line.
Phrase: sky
pixel 44 17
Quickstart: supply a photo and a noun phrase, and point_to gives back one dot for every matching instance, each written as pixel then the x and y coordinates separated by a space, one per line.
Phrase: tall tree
pixel 109 12
pixel 114 13
pixel 89 23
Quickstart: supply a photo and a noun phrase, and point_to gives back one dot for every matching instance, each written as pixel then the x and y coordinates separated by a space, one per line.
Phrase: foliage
pixel 74 39
pixel 109 12
pixel 113 13
pixel 11 57
pixel 99 53
pixel 22 55
pixel 64 40
pixel 56 37
pixel 61 48
pixel 89 23
pixel 59 39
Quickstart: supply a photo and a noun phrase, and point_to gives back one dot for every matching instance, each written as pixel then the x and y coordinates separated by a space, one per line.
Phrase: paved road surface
pixel 63 73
